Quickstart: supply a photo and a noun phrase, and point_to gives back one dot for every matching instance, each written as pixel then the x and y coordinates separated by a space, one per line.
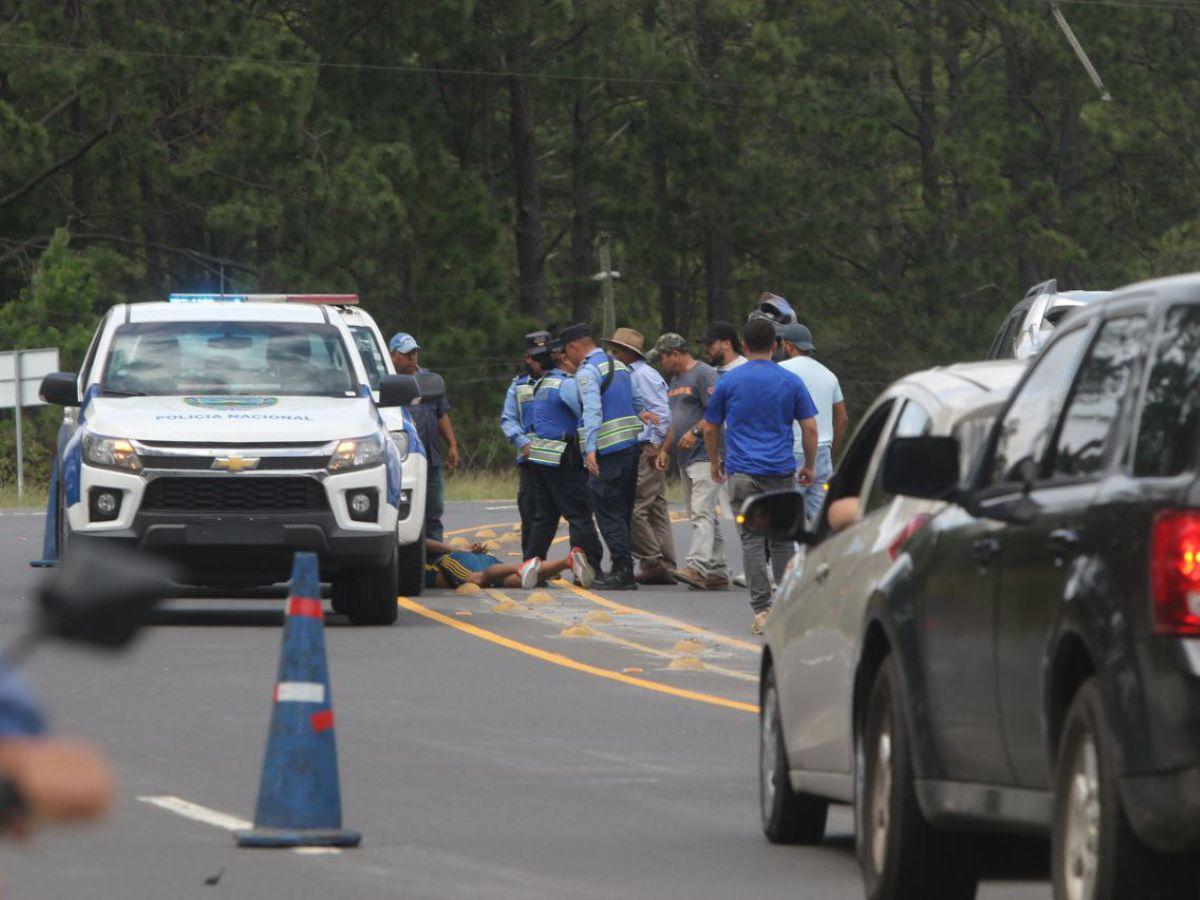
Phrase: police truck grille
pixel 235 494
pixel 265 464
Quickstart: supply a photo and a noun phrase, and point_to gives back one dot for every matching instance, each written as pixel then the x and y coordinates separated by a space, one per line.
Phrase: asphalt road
pixel 505 760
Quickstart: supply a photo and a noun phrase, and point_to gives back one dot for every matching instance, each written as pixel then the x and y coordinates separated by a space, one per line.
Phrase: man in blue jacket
pixel 516 421
pixel 613 413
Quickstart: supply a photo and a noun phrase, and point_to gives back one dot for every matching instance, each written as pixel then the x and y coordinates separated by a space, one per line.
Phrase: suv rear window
pixel 1166 437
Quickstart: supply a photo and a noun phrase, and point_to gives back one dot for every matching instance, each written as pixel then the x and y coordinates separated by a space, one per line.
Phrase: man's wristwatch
pixel 696 431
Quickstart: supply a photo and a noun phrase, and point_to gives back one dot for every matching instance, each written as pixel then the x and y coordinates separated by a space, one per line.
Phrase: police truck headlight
pixel 400 439
pixel 111 453
pixel 357 453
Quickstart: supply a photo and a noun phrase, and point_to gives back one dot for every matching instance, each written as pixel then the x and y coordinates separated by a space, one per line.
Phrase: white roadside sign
pixel 31 368
pixel 21 374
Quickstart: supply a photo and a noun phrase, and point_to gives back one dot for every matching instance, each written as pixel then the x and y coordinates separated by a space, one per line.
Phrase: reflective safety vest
pixel 525 390
pixel 553 420
pixel 523 387
pixel 619 424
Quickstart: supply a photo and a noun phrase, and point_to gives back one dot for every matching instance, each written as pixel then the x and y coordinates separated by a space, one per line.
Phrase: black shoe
pixel 616 580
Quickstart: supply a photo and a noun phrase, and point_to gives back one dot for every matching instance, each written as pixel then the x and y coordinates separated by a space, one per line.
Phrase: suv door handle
pixel 1064 541
pixel 984 549
pixel 822 573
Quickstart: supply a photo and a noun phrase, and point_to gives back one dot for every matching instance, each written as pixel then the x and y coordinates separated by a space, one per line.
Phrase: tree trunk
pixel 718 263
pixel 530 232
pixel 668 303
pixel 582 289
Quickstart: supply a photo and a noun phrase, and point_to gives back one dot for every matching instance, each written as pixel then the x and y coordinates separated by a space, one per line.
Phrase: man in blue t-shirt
pixel 757 403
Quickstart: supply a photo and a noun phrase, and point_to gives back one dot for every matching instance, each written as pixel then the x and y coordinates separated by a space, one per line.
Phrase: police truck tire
pixel 368 596
pixel 902 856
pixel 412 567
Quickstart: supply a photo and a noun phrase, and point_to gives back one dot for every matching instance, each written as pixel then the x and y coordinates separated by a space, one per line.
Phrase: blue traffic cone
pixel 299 801
pixel 50 537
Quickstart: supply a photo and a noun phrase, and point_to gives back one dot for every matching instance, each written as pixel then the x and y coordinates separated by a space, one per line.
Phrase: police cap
pixel 575 332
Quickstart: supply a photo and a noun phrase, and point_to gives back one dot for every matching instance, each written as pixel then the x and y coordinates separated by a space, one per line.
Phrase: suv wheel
pixel 788 817
pixel 368 596
pixel 412 567
pixel 900 853
pixel 1095 853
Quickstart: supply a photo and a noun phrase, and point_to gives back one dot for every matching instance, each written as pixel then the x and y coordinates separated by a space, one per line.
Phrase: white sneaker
pixel 529 572
pixel 581 568
pixel 739 579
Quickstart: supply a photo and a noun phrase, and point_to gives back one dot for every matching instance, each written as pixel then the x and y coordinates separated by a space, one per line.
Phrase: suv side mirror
pixel 926 467
pixel 398 390
pixel 60 388
pixel 432 387
pixel 778 515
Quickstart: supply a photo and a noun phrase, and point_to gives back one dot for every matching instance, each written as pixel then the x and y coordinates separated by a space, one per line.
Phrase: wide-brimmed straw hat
pixel 629 339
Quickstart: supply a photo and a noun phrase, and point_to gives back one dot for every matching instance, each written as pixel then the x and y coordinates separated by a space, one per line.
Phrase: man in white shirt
pixel 831 411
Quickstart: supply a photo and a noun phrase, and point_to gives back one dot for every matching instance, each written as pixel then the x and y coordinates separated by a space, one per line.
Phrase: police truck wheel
pixel 368 596
pixel 412 567
pixel 902 856
pixel 788 817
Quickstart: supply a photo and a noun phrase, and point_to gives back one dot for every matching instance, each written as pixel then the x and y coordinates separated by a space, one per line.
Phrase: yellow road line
pixel 625 642
pixel 676 623
pixel 568 663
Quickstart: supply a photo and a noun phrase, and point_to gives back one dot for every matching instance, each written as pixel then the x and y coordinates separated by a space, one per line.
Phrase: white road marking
pixel 198 813
pixel 497 509
pixel 224 821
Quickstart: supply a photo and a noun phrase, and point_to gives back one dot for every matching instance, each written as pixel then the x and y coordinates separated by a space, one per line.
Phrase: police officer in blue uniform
pixel 612 411
pixel 560 482
pixel 516 421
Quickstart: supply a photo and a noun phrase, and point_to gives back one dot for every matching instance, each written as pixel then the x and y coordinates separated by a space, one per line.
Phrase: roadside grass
pixel 35 497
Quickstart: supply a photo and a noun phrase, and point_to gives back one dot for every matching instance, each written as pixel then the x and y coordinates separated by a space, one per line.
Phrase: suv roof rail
pixel 1045 287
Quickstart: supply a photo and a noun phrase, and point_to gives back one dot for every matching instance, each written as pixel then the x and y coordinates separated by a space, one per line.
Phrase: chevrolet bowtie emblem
pixel 236 463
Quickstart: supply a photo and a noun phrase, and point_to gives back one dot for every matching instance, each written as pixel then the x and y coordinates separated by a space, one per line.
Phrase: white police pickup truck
pixel 226 436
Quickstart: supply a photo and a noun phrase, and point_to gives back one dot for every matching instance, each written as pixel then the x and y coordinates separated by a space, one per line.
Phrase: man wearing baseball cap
pixel 721 346
pixel 692 384
pixel 798 348
pixel 430 420
pixel 650 529
pixel 516 421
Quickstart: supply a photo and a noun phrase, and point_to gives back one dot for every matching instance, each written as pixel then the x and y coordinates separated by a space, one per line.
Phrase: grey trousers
pixel 754 546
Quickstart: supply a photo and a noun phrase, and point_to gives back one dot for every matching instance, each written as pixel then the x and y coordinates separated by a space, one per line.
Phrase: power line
pixel 800 90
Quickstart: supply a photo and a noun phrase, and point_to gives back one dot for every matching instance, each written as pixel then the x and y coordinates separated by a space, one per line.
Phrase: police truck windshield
pixel 227 359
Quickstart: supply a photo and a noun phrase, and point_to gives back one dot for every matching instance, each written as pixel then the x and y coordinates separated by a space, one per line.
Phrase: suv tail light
pixel 906 534
pixel 1175 572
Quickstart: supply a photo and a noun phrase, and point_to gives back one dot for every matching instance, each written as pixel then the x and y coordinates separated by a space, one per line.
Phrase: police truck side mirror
pixel 60 388
pixel 433 388
pixel 398 390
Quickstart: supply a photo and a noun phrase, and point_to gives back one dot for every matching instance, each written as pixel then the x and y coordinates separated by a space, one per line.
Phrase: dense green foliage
pixel 902 170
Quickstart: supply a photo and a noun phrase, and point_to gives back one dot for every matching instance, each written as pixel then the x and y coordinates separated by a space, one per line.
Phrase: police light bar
pixel 333 299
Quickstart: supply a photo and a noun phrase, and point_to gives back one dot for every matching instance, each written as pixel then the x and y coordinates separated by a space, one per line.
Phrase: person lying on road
pixel 451 568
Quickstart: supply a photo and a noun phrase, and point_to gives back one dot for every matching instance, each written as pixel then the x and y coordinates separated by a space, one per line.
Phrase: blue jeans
pixel 814 494
pixel 435 503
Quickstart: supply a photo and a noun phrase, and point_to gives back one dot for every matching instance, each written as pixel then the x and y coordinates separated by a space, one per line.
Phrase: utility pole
pixel 606 276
